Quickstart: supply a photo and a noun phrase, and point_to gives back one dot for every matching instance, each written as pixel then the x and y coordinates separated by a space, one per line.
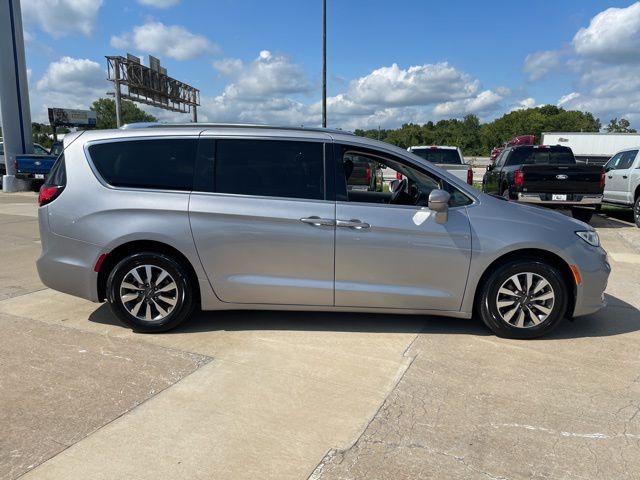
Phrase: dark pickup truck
pixel 548 176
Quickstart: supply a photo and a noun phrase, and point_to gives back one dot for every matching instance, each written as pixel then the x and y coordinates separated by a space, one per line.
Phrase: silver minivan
pixel 162 219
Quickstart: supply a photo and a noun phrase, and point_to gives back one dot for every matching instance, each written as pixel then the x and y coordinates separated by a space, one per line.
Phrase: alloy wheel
pixel 525 300
pixel 149 292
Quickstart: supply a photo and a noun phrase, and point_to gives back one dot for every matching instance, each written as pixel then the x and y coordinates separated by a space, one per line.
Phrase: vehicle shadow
pixel 617 319
pixel 618 218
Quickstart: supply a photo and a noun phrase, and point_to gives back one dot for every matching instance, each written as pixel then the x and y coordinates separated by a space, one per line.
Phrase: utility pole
pixel 324 63
pixel 118 99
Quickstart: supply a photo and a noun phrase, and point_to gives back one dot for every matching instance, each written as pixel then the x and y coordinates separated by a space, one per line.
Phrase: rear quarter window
pixel 166 164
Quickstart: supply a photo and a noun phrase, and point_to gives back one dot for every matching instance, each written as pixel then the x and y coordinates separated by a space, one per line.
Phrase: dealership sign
pixel 72 118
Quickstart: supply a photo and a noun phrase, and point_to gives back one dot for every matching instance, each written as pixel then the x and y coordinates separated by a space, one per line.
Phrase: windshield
pixel 446 156
pixel 532 156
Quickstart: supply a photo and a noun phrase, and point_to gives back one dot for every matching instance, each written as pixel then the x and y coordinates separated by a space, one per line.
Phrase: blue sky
pixel 388 62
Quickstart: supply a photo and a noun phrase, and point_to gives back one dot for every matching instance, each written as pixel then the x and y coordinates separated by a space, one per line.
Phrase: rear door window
pixel 166 164
pixel 271 168
pixel 533 156
pixel 441 156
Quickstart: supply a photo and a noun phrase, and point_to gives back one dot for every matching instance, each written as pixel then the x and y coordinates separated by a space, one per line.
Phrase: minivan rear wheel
pixel 150 292
pixel 523 298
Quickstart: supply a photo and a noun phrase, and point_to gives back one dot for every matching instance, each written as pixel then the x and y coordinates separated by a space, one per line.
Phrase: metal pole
pixel 194 114
pixel 116 85
pixel 324 63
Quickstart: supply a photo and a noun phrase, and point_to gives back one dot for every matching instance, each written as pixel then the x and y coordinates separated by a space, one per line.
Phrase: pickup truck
pixel 38 150
pixel 548 176
pixel 622 182
pixel 34 167
pixel 448 158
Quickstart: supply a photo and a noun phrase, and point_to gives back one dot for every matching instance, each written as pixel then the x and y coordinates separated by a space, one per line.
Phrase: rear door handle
pixel 609 176
pixel 357 224
pixel 318 222
pixel 625 176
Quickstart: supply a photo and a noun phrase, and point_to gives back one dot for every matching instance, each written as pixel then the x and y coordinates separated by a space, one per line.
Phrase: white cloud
pixel 483 102
pixel 68 83
pixel 159 3
pixel 267 75
pixel 568 98
pixel 388 96
pixel 417 85
pixel 613 36
pixel 539 64
pixel 62 17
pixel 171 41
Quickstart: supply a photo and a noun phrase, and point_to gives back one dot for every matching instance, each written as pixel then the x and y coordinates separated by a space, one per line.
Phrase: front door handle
pixel 318 222
pixel 625 176
pixel 609 176
pixel 357 224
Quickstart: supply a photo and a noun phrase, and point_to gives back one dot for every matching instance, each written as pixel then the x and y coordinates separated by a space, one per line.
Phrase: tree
pixel 619 126
pixel 105 109
pixel 475 138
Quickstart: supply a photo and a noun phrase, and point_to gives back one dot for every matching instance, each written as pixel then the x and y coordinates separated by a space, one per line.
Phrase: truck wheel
pixel 524 298
pixel 636 212
pixel 150 292
pixel 582 214
pixel 505 193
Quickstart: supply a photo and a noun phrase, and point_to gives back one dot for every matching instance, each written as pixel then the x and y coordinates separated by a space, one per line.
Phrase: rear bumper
pixel 66 265
pixel 31 176
pixel 572 199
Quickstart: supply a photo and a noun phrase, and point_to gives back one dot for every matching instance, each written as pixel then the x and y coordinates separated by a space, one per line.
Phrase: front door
pixel 617 180
pixel 262 225
pixel 390 252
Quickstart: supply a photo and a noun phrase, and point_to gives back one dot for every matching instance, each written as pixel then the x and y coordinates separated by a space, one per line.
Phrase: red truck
pixel 519 140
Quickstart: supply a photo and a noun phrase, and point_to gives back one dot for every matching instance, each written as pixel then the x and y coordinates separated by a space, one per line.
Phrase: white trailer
pixel 594 148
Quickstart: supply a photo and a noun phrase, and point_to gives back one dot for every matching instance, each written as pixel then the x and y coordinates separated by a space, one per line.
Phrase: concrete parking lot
pixel 312 395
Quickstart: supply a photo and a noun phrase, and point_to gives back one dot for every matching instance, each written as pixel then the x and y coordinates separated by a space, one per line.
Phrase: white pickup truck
pixel 448 158
pixel 622 181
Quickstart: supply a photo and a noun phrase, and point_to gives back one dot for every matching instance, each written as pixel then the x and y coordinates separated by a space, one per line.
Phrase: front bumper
pixel 571 199
pixel 594 269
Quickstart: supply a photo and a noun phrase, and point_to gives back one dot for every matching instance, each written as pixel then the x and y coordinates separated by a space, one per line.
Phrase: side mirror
pixel 439 203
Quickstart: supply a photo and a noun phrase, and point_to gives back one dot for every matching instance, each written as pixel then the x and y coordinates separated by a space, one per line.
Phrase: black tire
pixel 636 212
pixel 487 302
pixel 505 192
pixel 582 214
pixel 151 296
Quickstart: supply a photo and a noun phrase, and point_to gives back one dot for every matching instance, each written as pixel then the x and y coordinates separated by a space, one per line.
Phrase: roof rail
pixel 131 126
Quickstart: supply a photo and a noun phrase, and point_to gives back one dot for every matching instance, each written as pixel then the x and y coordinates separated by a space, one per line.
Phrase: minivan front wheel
pixel 523 299
pixel 150 292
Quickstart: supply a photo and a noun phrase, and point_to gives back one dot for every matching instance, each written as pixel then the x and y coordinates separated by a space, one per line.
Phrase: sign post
pixel 150 85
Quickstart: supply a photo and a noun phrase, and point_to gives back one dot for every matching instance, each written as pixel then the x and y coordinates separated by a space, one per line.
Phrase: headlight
pixel 590 237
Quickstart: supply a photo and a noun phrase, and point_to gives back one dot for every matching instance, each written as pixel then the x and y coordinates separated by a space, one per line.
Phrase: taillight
pixel 518 178
pixel 398 176
pixel 48 193
pixel 601 180
pixel 367 173
pixel 470 176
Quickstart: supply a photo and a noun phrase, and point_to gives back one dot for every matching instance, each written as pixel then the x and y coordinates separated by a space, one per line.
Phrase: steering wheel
pixel 398 190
